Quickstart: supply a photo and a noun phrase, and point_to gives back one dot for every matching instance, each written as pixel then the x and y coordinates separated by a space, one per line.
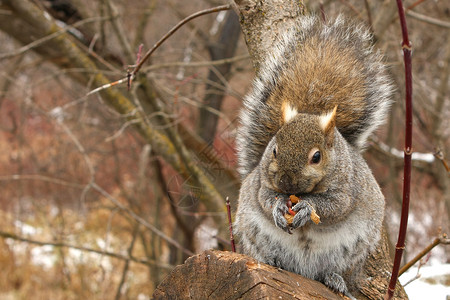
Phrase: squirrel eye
pixel 275 152
pixel 315 159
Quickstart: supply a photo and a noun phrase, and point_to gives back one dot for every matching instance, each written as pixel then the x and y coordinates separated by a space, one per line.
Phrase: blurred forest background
pixel 103 194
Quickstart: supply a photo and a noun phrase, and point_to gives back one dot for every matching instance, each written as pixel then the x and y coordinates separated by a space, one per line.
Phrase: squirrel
pixel 316 99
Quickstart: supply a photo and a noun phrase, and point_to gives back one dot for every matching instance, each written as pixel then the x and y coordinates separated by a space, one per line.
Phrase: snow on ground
pixel 26 229
pixel 433 283
pixel 46 256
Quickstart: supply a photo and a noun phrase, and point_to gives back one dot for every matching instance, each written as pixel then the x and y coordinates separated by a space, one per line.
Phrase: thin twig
pixel 138 59
pixel 107 86
pixel 92 184
pixel 47 38
pixel 81 248
pixel 421 264
pixel 443 239
pixel 230 225
pixel 440 155
pixel 415 4
pixel 197 64
pixel 130 75
pixel 127 262
pixel 174 210
pixel 41 178
pixel 428 19
pixel 142 24
pixel 118 29
pixel 322 12
pixel 406 46
pixel 369 14
pixel 141 220
pixel 423 157
pixel 172 31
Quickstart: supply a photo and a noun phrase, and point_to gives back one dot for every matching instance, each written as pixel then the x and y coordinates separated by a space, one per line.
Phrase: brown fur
pixel 325 76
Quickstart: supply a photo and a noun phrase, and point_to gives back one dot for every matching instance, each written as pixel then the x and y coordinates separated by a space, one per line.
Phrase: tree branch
pixel 428 19
pixel 147 262
pixel 172 31
pixel 443 239
pixel 27 18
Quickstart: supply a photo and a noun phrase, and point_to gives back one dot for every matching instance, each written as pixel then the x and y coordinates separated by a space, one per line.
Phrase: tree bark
pixel 262 22
pixel 228 275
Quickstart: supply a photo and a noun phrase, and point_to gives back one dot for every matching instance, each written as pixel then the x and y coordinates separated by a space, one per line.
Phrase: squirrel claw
pixel 303 215
pixel 335 282
pixel 279 210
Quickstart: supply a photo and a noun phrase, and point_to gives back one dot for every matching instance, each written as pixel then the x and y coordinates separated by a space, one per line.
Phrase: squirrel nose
pixel 285 184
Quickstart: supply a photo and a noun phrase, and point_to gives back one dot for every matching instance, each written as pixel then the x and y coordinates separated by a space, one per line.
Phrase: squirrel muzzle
pixel 289 185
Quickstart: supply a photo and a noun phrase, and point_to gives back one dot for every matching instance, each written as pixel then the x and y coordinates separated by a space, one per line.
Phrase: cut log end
pixel 227 275
pixel 217 274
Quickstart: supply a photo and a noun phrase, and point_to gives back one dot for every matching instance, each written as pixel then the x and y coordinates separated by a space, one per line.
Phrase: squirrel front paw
pixel 279 210
pixel 303 213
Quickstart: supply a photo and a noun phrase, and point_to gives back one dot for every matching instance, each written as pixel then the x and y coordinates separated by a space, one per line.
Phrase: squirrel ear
pixel 288 112
pixel 327 123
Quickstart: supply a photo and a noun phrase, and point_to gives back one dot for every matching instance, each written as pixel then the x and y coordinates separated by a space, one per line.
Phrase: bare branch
pixel 421 263
pixel 168 146
pixel 41 178
pixel 175 28
pixel 139 36
pixel 127 262
pixel 101 252
pixel 442 239
pixel 416 156
pixel 428 19
pixel 118 29
pixel 197 64
pixel 47 38
pixel 140 219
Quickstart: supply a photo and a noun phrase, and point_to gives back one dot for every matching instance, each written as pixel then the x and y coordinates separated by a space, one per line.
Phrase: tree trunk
pixel 228 275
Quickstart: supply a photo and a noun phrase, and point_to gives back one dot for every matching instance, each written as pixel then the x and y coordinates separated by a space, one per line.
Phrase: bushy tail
pixel 357 117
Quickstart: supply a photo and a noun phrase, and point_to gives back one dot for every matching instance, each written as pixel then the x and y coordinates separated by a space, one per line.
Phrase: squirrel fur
pixel 317 98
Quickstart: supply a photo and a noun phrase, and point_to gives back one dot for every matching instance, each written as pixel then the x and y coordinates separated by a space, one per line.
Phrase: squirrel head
pixel 298 157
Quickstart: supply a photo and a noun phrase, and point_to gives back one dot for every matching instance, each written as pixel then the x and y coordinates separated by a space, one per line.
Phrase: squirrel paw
pixel 279 210
pixel 303 213
pixel 335 282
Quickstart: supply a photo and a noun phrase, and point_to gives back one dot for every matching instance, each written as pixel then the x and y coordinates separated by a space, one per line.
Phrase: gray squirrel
pixel 317 98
